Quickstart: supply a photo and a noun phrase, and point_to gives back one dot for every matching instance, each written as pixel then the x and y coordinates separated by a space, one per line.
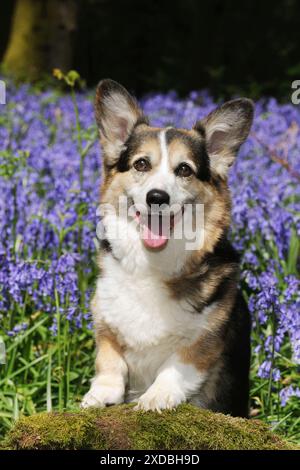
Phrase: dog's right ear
pixel 117 113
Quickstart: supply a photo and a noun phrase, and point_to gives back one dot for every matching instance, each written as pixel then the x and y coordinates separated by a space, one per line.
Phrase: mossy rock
pixel 120 427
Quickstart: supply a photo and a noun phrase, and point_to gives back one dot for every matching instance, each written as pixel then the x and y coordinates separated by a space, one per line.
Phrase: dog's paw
pixel 102 394
pixel 158 398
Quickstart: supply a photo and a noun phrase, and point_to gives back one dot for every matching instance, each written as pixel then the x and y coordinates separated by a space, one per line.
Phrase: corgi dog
pixel 170 321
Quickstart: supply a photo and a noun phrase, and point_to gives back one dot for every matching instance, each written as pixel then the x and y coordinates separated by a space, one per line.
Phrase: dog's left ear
pixel 225 129
pixel 117 113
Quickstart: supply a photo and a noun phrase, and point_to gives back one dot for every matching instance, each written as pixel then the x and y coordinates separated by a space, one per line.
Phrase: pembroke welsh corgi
pixel 170 321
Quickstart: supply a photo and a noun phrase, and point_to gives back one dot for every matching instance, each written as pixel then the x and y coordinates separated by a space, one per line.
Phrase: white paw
pixel 102 394
pixel 159 397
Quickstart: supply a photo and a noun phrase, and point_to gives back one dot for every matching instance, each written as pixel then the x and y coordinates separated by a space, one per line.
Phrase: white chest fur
pixel 146 320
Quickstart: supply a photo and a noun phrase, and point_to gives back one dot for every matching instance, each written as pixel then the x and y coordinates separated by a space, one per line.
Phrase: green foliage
pixel 120 427
pixel 9 163
pixel 53 372
pixel 70 78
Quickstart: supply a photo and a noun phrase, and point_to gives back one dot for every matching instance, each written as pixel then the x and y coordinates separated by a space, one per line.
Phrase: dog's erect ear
pixel 225 130
pixel 117 113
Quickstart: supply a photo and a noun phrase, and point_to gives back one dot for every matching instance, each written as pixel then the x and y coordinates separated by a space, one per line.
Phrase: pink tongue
pixel 153 240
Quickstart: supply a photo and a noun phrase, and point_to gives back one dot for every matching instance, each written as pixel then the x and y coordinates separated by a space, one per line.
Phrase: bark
pixel 41 38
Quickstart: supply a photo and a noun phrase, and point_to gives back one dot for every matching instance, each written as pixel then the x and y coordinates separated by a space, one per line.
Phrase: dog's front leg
pixel 108 386
pixel 175 382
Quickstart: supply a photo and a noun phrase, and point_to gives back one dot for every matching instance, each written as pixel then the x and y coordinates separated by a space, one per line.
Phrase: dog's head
pixel 157 169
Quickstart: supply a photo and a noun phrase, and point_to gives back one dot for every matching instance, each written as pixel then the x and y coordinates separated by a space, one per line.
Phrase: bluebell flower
pixel 39 201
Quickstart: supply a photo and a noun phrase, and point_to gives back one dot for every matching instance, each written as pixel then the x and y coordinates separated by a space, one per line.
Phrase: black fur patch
pixel 233 383
pixel 200 129
pixel 223 253
pixel 131 146
pixel 221 290
pixel 105 246
pixel 123 162
pixel 212 267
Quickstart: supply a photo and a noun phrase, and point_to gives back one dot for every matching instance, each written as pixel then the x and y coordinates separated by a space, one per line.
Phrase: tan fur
pixel 179 152
pixel 108 352
pixel 206 351
pixel 149 147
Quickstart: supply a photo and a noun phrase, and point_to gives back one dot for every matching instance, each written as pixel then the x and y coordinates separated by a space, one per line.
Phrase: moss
pixel 120 427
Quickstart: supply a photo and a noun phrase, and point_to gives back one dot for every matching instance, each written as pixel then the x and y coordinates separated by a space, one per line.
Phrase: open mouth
pixel 156 227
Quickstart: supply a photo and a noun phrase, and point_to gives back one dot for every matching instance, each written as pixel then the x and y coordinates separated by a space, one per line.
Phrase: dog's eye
pixel 183 170
pixel 142 164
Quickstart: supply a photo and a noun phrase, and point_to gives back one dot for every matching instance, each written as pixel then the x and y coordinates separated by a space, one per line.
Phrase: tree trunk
pixel 41 38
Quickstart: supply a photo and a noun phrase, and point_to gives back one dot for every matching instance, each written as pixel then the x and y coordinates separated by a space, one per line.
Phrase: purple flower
pixel 287 393
pixel 41 196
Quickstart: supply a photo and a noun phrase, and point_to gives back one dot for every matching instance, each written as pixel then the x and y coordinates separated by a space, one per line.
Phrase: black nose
pixel 157 196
